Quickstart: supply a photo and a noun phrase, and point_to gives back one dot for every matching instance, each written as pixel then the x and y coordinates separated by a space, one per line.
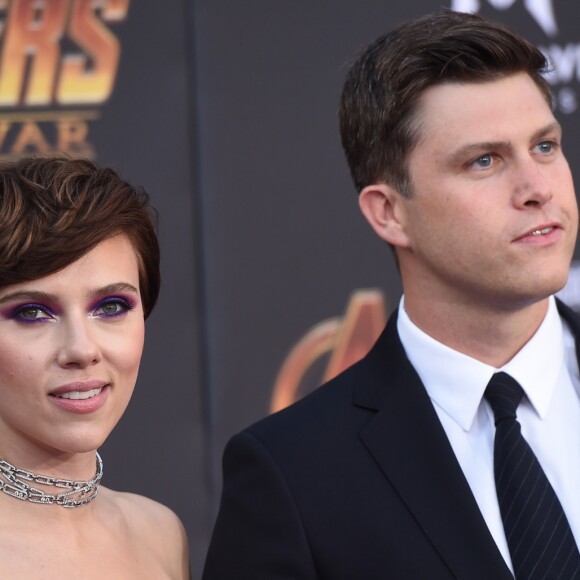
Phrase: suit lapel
pixel 571 319
pixel 408 442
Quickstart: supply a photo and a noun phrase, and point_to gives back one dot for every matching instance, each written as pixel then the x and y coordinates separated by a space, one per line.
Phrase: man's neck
pixel 488 333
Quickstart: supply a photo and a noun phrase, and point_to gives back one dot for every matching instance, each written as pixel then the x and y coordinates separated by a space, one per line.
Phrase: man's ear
pixel 384 208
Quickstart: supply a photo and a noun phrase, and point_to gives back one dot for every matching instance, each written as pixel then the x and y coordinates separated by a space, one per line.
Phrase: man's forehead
pixel 487 106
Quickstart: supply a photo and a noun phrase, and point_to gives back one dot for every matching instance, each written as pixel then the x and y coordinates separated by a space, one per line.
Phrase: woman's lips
pixel 86 397
pixel 79 395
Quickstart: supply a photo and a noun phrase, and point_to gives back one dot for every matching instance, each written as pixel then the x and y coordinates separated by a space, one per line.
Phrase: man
pixel 389 470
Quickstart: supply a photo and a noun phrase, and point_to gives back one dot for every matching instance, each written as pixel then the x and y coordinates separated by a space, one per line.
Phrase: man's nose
pixel 531 186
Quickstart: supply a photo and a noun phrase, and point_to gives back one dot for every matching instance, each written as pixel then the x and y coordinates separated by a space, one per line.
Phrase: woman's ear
pixel 385 209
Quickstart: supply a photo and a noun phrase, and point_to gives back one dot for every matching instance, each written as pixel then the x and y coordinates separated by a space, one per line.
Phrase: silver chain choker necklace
pixel 78 493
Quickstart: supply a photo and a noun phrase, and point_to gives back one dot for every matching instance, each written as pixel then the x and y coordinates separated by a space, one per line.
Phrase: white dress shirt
pixel 547 369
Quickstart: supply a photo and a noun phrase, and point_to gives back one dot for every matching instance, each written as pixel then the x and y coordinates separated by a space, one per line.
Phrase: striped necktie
pixel 539 537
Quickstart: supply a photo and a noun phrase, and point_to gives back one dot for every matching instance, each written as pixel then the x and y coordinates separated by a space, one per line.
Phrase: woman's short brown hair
pixel 53 210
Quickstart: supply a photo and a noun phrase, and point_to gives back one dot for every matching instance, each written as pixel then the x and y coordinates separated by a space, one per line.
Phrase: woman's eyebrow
pixel 115 287
pixel 36 295
pixel 40 296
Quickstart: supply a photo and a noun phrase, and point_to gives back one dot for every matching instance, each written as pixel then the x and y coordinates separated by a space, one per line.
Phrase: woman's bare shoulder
pixel 142 509
pixel 155 527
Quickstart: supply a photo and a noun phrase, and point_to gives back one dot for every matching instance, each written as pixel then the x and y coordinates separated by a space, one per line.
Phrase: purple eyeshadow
pixel 17 313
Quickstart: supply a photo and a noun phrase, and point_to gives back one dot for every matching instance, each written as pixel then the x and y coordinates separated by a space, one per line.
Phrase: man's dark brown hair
pixel 380 98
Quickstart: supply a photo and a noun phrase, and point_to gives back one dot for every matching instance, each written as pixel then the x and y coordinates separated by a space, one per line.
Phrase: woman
pixel 79 273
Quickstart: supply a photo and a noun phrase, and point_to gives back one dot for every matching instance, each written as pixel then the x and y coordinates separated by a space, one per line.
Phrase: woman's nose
pixel 79 346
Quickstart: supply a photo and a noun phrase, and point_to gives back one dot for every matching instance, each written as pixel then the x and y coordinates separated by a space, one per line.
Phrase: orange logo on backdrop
pixel 55 54
pixel 347 339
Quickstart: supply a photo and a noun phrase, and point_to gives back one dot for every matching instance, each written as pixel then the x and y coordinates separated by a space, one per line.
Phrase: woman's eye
pixel 31 314
pixel 112 308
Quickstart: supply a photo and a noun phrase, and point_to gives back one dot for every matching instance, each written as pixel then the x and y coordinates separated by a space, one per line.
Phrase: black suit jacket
pixel 357 481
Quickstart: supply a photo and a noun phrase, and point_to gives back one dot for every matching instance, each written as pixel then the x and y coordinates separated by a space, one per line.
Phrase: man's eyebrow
pixel 551 127
pixel 460 154
pixel 39 296
pixel 482 146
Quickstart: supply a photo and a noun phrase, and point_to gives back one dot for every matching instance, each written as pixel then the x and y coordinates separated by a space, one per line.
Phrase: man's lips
pixel 539 231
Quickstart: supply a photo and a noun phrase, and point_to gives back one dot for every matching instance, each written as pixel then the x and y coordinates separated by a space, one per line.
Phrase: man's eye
pixel 483 162
pixel 545 147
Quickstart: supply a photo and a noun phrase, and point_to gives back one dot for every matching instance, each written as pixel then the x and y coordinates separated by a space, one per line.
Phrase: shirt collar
pixel 456 382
